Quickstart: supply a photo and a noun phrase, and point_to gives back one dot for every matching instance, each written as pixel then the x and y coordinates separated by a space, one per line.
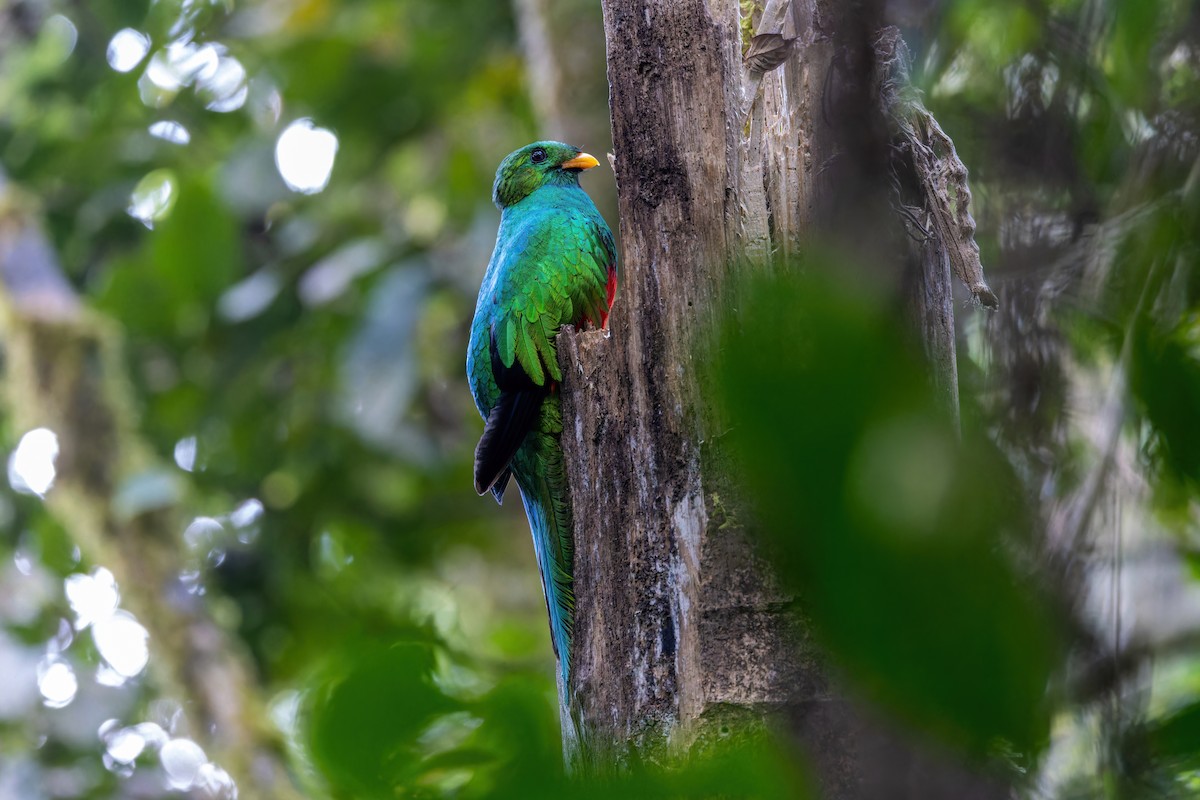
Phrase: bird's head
pixel 536 165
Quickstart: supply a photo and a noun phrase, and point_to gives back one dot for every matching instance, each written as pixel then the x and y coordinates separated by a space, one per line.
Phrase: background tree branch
pixel 63 368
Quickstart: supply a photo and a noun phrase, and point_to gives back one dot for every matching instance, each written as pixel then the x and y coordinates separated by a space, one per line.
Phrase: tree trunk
pixel 678 626
pixel 723 164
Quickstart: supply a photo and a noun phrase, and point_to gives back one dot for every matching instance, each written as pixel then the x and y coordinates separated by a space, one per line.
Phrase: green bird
pixel 554 264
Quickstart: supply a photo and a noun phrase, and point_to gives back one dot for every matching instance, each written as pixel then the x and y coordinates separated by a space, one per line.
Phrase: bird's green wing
pixel 557 273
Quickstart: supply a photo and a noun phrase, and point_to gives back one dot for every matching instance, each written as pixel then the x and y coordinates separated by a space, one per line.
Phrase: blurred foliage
pixel 298 356
pixel 887 526
pixel 383 725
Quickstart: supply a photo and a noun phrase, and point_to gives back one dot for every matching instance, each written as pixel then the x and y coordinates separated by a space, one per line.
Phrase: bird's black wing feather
pixel 509 421
pixel 500 485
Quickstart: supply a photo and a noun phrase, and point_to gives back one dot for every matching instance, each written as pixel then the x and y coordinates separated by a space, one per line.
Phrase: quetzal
pixel 554 264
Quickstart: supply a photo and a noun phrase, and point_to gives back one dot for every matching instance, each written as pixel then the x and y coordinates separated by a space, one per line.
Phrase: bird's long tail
pixel 541 476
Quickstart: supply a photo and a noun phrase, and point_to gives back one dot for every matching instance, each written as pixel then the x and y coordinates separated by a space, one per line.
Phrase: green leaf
pixel 1165 379
pixel 192 255
pixel 197 248
pixel 892 532
pixel 1175 740
pixel 364 722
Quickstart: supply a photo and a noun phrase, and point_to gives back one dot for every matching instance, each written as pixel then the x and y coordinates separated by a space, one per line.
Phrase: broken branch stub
pixel 937 173
pixel 774 40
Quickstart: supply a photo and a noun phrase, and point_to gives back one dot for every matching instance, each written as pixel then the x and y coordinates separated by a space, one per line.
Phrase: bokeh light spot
pixel 57 683
pixel 122 642
pixel 185 453
pixel 127 48
pixel 182 759
pixel 92 597
pixel 153 197
pixel 125 745
pixel 225 89
pixel 247 513
pixel 304 155
pixel 203 533
pixel 280 489
pixel 31 465
pixel 170 131
pixel 215 782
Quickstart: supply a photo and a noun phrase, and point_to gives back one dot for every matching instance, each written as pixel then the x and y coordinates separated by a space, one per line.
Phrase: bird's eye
pixel 538 156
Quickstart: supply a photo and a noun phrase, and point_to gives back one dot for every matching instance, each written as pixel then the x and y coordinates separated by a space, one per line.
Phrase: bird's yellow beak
pixel 581 161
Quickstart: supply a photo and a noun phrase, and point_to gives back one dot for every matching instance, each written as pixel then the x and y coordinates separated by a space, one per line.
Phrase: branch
pixel 937 173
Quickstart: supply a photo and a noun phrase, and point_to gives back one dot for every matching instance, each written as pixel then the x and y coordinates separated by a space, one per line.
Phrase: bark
pixel 724 162
pixel 645 669
pixel 63 370
pixel 931 312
